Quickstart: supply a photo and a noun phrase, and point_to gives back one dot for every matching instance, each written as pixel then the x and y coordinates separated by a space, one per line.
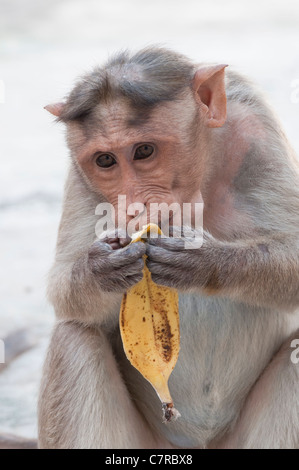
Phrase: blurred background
pixel 44 46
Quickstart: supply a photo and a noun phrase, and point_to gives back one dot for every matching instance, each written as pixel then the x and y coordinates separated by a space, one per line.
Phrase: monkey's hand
pixel 116 267
pixel 261 271
pixel 182 263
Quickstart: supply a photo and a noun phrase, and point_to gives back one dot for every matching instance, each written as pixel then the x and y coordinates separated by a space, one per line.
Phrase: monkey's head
pixel 139 126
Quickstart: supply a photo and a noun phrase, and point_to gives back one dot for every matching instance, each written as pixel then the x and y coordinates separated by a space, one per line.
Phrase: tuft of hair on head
pixel 145 78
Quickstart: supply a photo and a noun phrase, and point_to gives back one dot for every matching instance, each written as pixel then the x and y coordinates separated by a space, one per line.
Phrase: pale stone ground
pixel 43 47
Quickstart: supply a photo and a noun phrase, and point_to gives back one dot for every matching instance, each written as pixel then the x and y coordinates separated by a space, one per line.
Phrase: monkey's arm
pixel 88 278
pixel 261 271
pixel 84 403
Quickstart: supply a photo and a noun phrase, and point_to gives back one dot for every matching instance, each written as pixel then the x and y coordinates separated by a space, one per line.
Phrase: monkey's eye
pixel 144 151
pixel 105 160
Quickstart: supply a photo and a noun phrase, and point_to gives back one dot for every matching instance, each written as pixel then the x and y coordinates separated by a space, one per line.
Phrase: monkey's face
pixel 150 160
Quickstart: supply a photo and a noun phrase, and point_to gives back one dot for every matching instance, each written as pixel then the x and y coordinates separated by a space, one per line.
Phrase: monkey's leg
pixel 270 416
pixel 83 400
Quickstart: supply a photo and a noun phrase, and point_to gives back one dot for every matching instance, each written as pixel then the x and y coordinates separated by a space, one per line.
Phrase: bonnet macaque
pixel 158 128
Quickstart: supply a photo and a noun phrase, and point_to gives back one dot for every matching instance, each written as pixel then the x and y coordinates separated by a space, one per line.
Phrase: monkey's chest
pixel 224 348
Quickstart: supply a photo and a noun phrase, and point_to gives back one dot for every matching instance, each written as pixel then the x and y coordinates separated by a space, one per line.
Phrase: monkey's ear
pixel 209 86
pixel 55 109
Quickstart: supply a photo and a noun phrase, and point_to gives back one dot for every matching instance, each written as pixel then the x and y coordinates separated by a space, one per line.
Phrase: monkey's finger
pixel 114 243
pixel 98 249
pixel 162 269
pixel 117 242
pixel 131 269
pixel 120 283
pixel 176 282
pixel 172 244
pixel 159 255
pixel 168 261
pixel 124 241
pixel 165 256
pixel 127 255
pixel 132 280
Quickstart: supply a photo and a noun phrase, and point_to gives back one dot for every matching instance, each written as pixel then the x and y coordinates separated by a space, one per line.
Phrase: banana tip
pixel 169 412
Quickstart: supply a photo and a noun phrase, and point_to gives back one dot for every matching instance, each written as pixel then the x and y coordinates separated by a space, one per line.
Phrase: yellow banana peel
pixel 150 332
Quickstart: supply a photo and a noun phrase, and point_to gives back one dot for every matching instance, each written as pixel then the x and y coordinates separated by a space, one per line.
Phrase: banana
pixel 150 332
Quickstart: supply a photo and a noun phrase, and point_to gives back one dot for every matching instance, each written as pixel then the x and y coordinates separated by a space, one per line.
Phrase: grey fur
pixel 234 383
pixel 145 79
